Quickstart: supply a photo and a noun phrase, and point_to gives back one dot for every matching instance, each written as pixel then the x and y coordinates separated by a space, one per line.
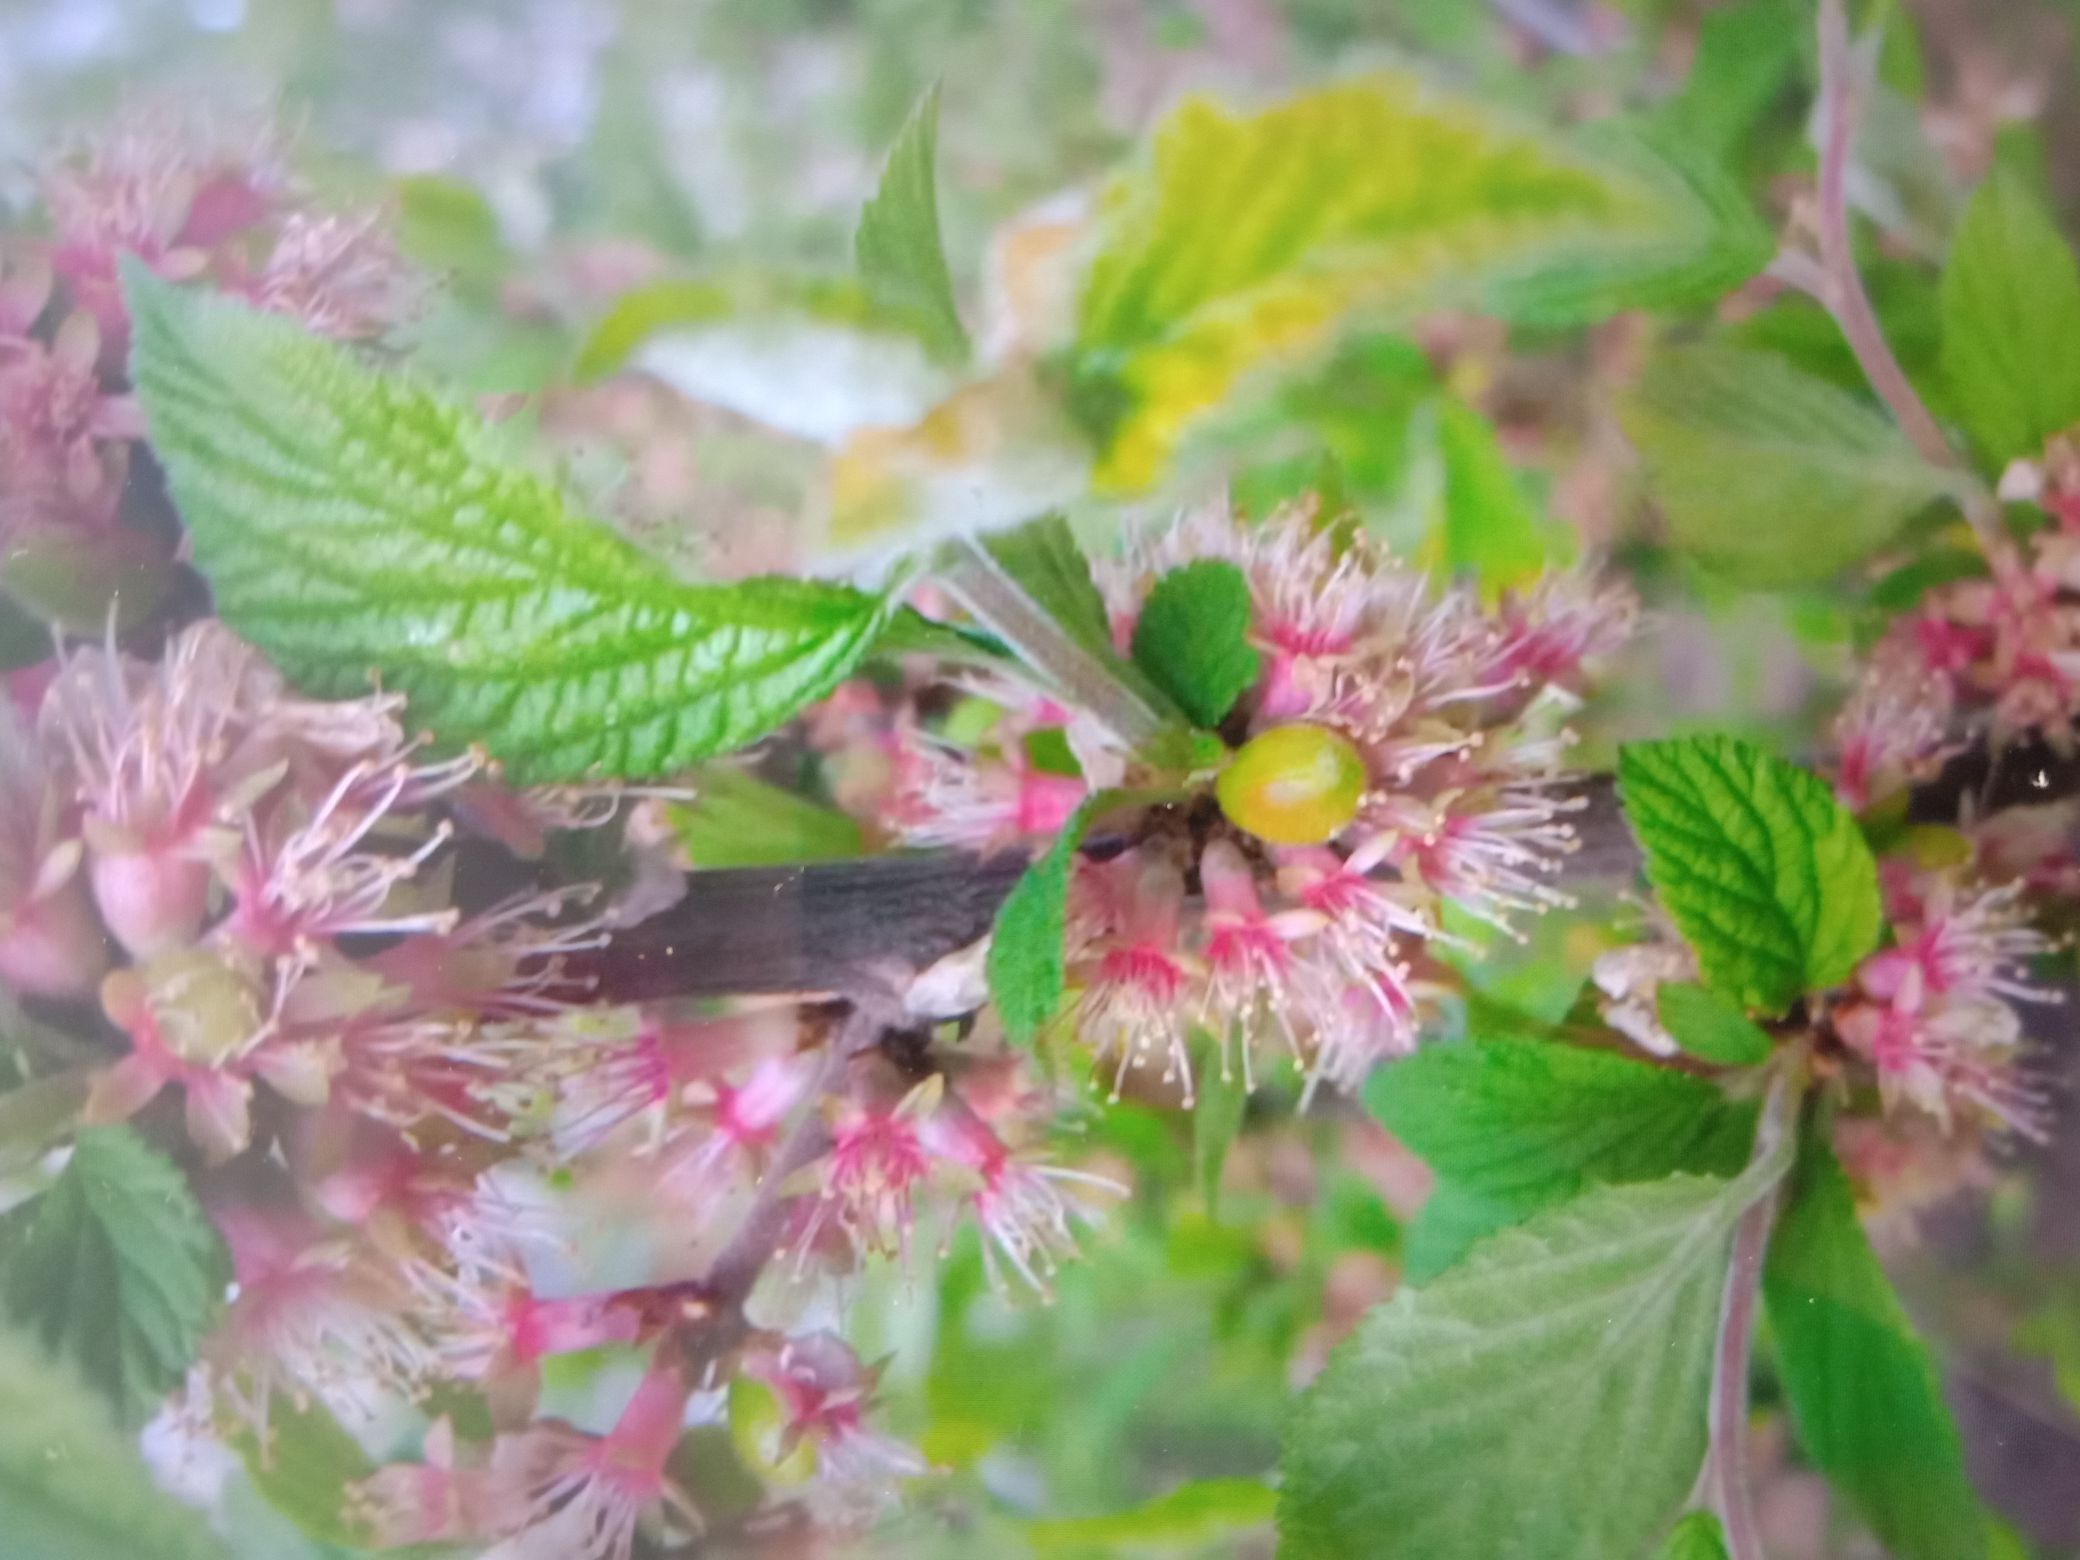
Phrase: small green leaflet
pixel 1513 1126
pixel 1546 1398
pixel 71 1486
pixel 1491 531
pixel 1697 1537
pixel 2011 322
pixel 1711 1027
pixel 1025 965
pixel 738 820
pixel 900 255
pixel 306 1469
pixel 1192 638
pixel 115 1268
pixel 1864 1396
pixel 352 524
pixel 1768 474
pixel 1765 873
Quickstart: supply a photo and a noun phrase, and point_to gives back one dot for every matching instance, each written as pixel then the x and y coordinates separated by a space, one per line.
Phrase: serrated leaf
pixel 1546 1398
pixel 71 1488
pixel 1765 873
pixel 1524 1124
pixel 816 357
pixel 900 254
pixel 1247 240
pixel 1710 1026
pixel 1451 1222
pixel 351 523
pixel 1767 474
pixel 1192 639
pixel 737 820
pixel 115 1268
pixel 1697 1537
pixel 1864 1396
pixel 2011 322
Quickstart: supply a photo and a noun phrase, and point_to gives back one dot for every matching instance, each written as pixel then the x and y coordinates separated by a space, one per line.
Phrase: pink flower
pixel 1136 974
pixel 873 1172
pixel 824 1394
pixel 50 944
pixel 1891 733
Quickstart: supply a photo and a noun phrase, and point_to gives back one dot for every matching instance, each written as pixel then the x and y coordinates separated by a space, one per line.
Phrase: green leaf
pixel 1711 1027
pixel 1562 1370
pixel 305 1469
pixel 1765 873
pixel 351 523
pixel 2011 322
pixel 1697 1537
pixel 71 1487
pixel 901 257
pixel 1767 474
pixel 1245 242
pixel 1524 1124
pixel 737 820
pixel 115 1268
pixel 1217 1117
pixel 447 226
pixel 816 357
pixel 1452 1221
pixel 1195 1514
pixel 1192 638
pixel 1864 1396
pixel 24 640
pixel 1491 532
pixel 1747 61
pixel 1025 965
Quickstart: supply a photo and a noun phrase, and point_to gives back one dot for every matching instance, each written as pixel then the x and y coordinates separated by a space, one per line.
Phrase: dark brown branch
pixel 843 926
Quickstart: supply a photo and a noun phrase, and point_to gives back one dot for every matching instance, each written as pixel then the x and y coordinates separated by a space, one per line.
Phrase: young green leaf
pixel 1192 638
pixel 1545 1398
pixel 71 1487
pixel 1697 1537
pixel 1025 965
pixel 1187 1520
pixel 352 523
pixel 1864 1397
pixel 1765 873
pixel 1768 474
pixel 2011 322
pixel 1246 241
pixel 901 257
pixel 1524 1124
pixel 1711 1026
pixel 737 820
pixel 306 1468
pixel 115 1268
pixel 1451 1222
pixel 1491 530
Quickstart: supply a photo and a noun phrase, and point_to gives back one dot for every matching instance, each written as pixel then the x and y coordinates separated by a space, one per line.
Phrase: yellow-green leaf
pixel 1248 239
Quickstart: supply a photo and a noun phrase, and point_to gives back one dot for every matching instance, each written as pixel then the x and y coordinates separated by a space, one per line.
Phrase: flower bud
pixel 1293 785
pixel 50 946
pixel 152 900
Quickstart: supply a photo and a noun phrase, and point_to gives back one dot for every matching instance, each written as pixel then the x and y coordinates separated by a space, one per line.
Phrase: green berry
pixel 1293 785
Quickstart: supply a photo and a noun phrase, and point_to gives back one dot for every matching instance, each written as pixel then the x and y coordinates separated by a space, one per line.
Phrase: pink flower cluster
pixel 191 204
pixel 1454 709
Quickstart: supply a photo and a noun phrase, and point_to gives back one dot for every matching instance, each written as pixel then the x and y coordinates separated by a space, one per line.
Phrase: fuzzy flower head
pixel 1399 749
pixel 1934 1015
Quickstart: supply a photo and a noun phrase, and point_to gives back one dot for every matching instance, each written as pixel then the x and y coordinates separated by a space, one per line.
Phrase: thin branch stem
pixel 1727 1469
pixel 998 601
pixel 1839 285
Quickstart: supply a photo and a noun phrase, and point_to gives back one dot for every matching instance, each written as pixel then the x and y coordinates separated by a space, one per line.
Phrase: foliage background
pixel 549 149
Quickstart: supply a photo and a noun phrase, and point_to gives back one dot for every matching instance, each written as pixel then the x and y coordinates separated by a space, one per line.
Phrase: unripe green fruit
pixel 1293 785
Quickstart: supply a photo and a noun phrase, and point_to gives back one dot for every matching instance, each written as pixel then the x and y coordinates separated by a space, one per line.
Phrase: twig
pixel 1728 1457
pixel 1845 295
pixel 1001 605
